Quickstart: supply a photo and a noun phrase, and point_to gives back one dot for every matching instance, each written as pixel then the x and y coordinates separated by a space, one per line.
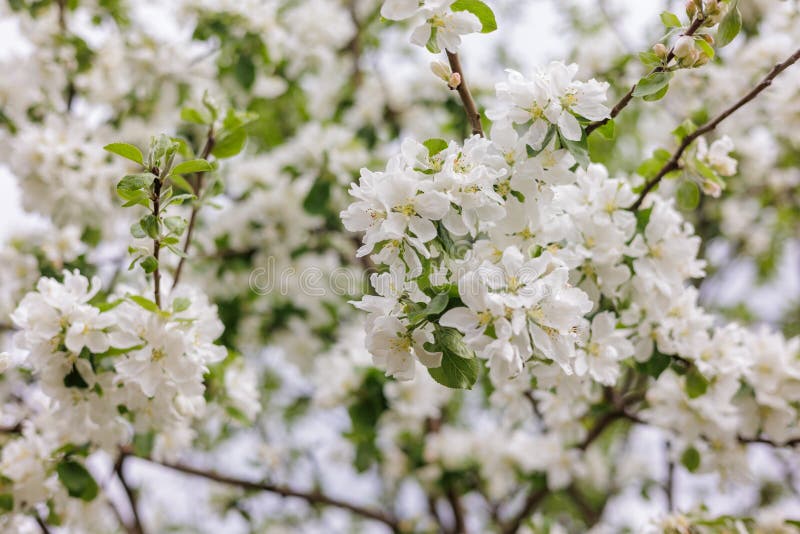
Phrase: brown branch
pixel 790 443
pixel 312 497
pixel 41 523
pixel 674 161
pixel 157 241
pixel 473 115
pixel 136 527
pixel 670 486
pixel 531 502
pixel 626 99
pixel 196 186
pixel 459 525
pixel 16 429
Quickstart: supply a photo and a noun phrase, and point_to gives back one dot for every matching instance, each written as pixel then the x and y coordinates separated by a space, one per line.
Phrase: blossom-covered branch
pixel 674 162
pixel 313 497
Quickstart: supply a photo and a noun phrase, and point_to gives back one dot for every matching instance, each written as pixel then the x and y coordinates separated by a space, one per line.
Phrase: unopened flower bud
pixel 441 70
pixel 454 81
pixel 712 8
pixel 691 9
pixel 702 59
pixel 708 38
pixel 683 46
pixel 660 50
pixel 710 188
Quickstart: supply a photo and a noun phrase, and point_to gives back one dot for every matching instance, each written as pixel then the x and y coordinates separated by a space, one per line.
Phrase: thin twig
pixel 626 99
pixel 674 161
pixel 531 502
pixel 42 524
pixel 136 527
pixel 196 186
pixel 459 526
pixel 157 241
pixel 312 497
pixel 16 429
pixel 669 489
pixel 473 115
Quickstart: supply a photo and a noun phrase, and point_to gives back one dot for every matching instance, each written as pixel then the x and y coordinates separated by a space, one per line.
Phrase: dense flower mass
pixel 546 329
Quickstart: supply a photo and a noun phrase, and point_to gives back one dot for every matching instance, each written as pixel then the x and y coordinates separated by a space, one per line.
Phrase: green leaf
pixel 658 362
pixel 685 128
pixel 137 231
pixel 74 379
pixel 657 95
pixel 456 372
pixel 608 130
pixel 181 182
pixel 194 116
pixel 245 71
pixel 642 219
pixel 533 152
pixel 652 84
pixel 316 200
pixel 78 481
pixel 180 304
pixel 480 10
pixel 175 224
pixel 150 225
pixel 690 459
pixel 688 195
pixel 696 383
pixel 730 25
pixel 579 149
pixel 432 45
pixel 126 151
pixel 650 59
pixel 435 146
pixel 705 47
pixel 143 444
pixel 192 166
pixel 230 144
pixel 6 502
pixel 460 367
pixel 135 182
pixel 145 303
pixel 149 264
pixel 436 306
pixel 670 20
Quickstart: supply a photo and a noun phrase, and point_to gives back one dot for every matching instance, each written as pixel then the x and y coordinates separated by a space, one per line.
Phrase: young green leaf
pixel 456 372
pixel 670 20
pixel 194 116
pixel 126 151
pixel 579 149
pixel 135 182
pixel 652 84
pixel 145 303
pixel 149 264
pixel 688 195
pixel 435 146
pixel 608 130
pixel 690 459
pixel 150 225
pixel 706 48
pixel 192 166
pixel 78 481
pixel 730 25
pixel 696 383
pixel 230 144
